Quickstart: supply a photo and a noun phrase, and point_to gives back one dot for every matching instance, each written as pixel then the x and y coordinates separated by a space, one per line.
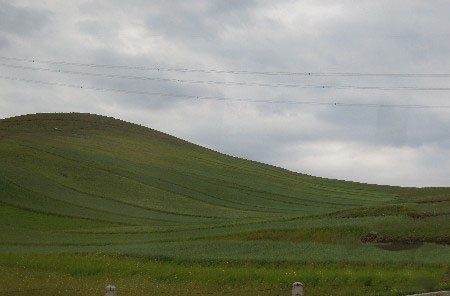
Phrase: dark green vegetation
pixel 86 200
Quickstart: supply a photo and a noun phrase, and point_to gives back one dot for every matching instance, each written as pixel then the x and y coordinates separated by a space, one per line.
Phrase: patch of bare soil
pixel 391 244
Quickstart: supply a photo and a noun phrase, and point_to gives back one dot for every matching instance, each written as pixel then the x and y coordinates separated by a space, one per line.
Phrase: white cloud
pixel 405 166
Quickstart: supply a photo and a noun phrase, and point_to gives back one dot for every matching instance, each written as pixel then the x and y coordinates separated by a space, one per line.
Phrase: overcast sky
pixel 373 144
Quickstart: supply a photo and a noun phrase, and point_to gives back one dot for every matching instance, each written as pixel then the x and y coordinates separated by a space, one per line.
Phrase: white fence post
pixel 110 291
pixel 297 289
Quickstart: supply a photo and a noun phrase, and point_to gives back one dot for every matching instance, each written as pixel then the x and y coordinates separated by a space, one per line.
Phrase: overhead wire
pixel 217 98
pixel 227 83
pixel 221 71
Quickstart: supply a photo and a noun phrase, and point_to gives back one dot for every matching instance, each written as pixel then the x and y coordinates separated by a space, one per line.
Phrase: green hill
pixel 80 183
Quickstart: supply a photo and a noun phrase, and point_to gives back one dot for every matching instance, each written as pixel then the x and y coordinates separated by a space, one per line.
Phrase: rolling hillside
pixel 80 183
pixel 79 166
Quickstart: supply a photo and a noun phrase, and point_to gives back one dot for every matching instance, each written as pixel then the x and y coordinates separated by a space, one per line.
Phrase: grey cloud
pixel 3 42
pixel 387 126
pixel 97 29
pixel 393 33
pixel 187 21
pixel 22 21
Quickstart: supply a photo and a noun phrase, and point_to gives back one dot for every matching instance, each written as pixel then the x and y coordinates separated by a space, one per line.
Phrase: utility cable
pixel 227 83
pixel 267 101
pixel 238 72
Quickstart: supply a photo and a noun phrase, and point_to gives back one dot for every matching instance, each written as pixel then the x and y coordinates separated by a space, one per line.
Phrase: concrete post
pixel 110 291
pixel 297 289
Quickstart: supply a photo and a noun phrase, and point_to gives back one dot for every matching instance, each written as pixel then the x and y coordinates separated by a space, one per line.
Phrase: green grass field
pixel 87 200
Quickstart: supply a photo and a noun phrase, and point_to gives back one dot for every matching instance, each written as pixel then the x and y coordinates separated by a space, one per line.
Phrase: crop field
pixel 87 200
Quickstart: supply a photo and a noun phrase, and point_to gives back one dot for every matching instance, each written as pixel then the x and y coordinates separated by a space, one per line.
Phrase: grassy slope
pixel 72 183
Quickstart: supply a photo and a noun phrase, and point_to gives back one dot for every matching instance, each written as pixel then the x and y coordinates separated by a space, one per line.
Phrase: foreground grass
pixel 88 274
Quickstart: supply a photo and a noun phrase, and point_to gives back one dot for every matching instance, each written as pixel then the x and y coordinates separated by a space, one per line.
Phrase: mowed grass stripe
pixel 26 199
pixel 188 178
pixel 99 170
pixel 165 187
pixel 294 180
pixel 80 203
pixel 164 184
pixel 115 145
pixel 13 216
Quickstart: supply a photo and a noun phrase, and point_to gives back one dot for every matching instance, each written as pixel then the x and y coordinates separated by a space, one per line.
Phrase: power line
pixel 227 83
pixel 238 72
pixel 267 101
pixel 160 79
